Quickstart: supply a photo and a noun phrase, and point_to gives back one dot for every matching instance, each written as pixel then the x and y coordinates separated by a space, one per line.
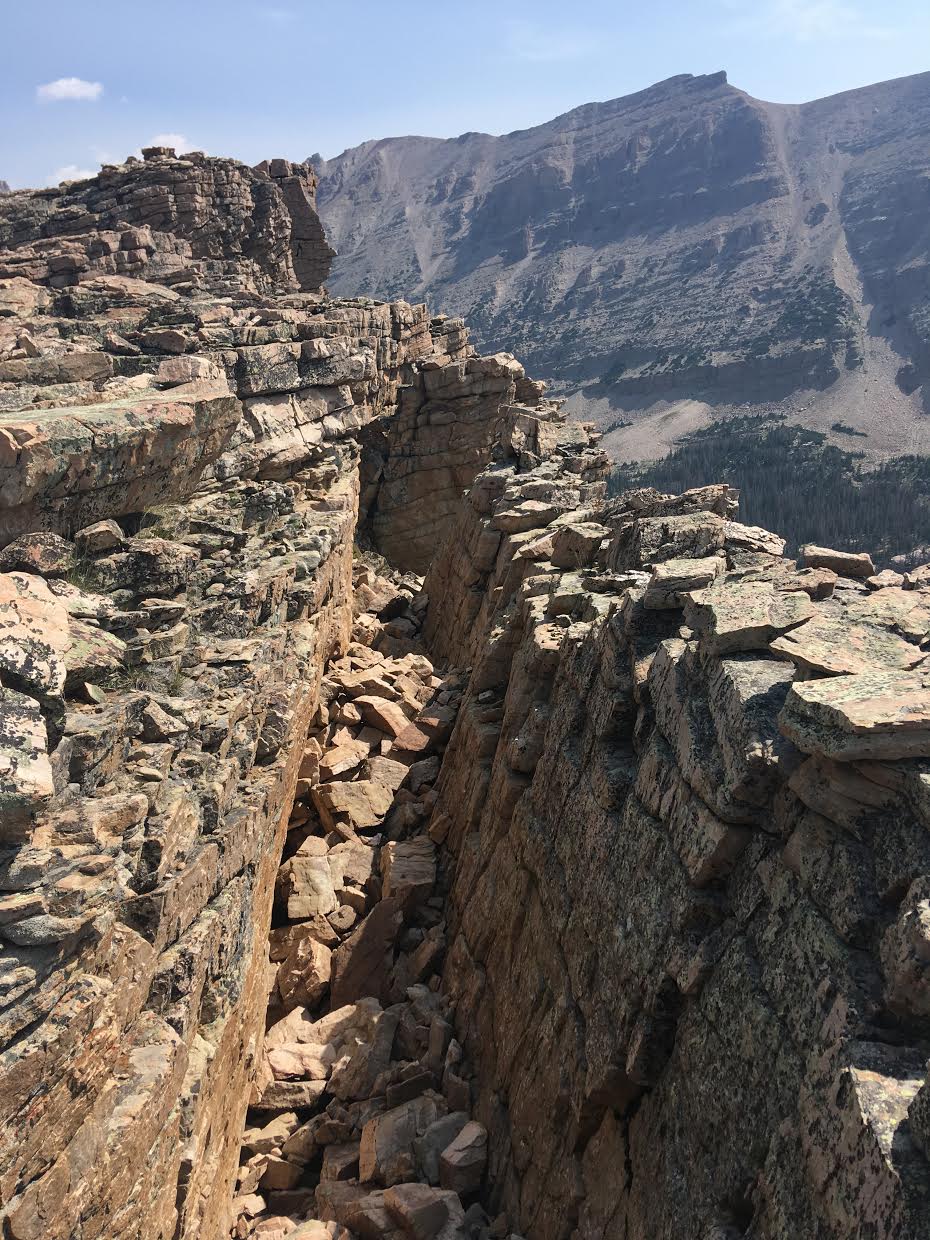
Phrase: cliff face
pixel 608 918
pixel 687 801
pixel 193 220
pixel 180 482
pixel 687 242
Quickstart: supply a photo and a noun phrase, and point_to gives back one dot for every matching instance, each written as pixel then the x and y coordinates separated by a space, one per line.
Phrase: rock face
pixel 179 495
pixel 580 887
pixel 690 830
pixel 174 221
pixel 685 242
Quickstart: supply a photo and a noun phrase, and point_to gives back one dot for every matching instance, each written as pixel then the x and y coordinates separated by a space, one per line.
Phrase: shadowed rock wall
pixel 687 800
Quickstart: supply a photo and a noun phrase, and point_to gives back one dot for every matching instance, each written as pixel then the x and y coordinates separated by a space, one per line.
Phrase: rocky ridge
pixel 565 876
pixel 191 221
pixel 179 492
pixel 672 255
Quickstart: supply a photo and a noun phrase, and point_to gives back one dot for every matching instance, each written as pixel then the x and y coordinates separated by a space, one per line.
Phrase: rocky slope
pixel 670 255
pixel 578 888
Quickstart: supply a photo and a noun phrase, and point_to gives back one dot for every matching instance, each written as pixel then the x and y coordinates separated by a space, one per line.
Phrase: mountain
pixel 673 255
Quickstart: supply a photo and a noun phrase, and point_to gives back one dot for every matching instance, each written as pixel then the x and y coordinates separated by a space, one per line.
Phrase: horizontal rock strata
pixel 190 221
pixel 579 888
pixel 179 496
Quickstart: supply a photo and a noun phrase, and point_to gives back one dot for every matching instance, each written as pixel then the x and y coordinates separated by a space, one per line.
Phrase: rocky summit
pixel 674 255
pixel 399 839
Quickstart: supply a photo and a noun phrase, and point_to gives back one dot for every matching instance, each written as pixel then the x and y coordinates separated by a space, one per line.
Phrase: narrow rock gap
pixel 359 1119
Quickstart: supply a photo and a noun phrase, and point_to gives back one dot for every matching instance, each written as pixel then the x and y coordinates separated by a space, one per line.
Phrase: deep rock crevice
pixel 584 852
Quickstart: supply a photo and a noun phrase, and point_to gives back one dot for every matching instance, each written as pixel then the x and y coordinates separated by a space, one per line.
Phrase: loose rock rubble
pixel 359 1120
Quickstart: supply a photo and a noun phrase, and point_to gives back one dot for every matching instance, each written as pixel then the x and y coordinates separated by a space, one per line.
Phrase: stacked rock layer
pixel 581 888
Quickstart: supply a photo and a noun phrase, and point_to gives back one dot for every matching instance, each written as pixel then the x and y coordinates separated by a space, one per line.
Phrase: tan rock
pixel 462 1163
pixel 342 759
pixel 379 712
pixel 280 1174
pixel 303 975
pixel 361 965
pixel 309 887
pixel 408 870
pixel 873 714
pixel 387 1154
pixel 425 1213
pixel 834 647
pixel 843 563
pixel 361 804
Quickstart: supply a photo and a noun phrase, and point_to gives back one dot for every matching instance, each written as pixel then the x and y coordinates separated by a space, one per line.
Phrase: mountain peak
pixel 675 243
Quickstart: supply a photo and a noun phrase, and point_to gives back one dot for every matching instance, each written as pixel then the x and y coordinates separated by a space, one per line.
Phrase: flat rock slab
pixel 744 615
pixel 843 563
pixel 673 579
pixel 834 647
pixel 408 871
pixel 380 713
pixel 362 803
pixel 869 715
pixel 362 964
pixel 342 759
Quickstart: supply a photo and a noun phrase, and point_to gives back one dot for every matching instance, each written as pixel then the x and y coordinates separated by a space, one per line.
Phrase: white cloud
pixel 69 88
pixel 70 172
pixel 805 21
pixel 530 42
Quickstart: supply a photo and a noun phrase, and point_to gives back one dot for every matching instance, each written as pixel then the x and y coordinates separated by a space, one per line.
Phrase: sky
pixel 85 82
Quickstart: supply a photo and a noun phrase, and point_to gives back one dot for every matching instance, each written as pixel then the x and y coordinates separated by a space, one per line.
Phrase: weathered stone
pixel 843 563
pixel 425 1213
pixel 361 965
pixel 303 975
pixel 361 804
pixel 309 886
pixel 383 714
pixel 672 580
pixel 744 615
pixel 868 715
pixel 388 1153
pixel 437 1137
pixel 834 647
pixel 463 1162
pixel 42 553
pixel 408 872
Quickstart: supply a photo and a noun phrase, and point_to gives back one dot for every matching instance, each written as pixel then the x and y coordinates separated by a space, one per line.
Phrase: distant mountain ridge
pixel 673 254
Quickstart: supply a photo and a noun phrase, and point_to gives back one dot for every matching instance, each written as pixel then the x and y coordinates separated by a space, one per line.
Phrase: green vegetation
pixel 161 521
pixel 794 482
pixel 83 574
pixel 842 429
pixel 814 308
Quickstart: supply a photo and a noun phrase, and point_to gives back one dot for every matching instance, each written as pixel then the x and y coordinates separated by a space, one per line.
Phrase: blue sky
pixel 90 81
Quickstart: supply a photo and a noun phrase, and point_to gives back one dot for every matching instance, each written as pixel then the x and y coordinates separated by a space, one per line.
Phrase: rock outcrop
pixel 179 488
pixel 578 888
pixel 194 220
pixel 687 801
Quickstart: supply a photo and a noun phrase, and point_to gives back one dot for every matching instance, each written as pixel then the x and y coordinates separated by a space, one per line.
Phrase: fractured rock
pixel 388 1153
pixel 874 714
pixel 362 964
